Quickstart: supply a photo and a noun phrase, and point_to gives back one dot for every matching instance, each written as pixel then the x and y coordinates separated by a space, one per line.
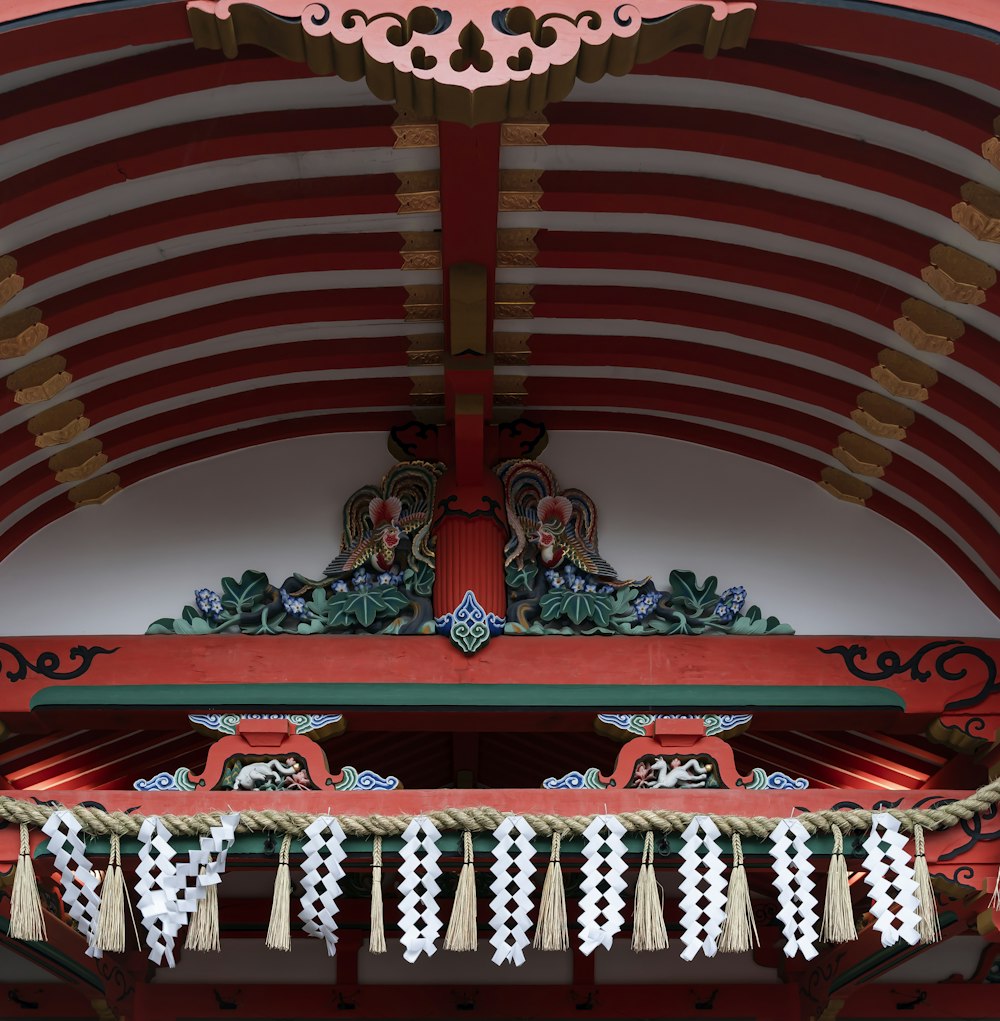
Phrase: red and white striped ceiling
pixel 723 247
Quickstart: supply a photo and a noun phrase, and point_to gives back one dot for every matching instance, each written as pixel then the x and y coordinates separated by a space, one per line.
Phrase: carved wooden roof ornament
pixel 473 61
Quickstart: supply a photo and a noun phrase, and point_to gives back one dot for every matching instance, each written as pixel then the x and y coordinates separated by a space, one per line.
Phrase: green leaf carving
pixel 240 596
pixel 393 601
pixel 522 579
pixel 577 606
pixel 689 595
pixel 420 579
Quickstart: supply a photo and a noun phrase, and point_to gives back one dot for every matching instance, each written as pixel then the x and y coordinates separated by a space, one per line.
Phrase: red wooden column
pixel 470 527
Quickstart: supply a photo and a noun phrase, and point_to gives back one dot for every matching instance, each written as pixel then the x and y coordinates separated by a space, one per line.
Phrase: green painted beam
pixel 757 852
pixel 237 697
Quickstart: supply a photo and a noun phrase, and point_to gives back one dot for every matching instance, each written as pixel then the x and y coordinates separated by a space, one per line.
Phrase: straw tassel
pixel 279 936
pixel 203 932
pixel 838 912
pixel 649 930
pixel 462 934
pixel 930 924
pixel 552 932
pixel 111 915
pixel 739 930
pixel 376 941
pixel 27 920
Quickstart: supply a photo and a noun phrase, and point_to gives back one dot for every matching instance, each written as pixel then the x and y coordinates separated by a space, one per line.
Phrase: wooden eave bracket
pixel 958 277
pixel 979 212
pixel 20 332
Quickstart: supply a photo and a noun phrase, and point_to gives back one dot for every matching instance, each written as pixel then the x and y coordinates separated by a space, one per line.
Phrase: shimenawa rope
pixel 101 823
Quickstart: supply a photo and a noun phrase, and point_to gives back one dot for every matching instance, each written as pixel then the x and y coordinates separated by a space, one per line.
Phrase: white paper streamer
pixel 322 873
pixel 793 880
pixel 511 906
pixel 156 887
pixel 697 868
pixel 169 893
pixel 889 868
pixel 76 874
pixel 189 884
pixel 601 904
pixel 419 920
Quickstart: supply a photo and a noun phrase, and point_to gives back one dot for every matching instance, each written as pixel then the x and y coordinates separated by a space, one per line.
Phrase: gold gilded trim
pixel 883 429
pixel 862 456
pixel 419 192
pixel 82 471
pixel 932 319
pixel 957 276
pixel 73 457
pixel 21 331
pixel 509 389
pixel 511 348
pixel 95 490
pixel 10 286
pixel 888 413
pixel 920 339
pixel 43 391
pixel 951 289
pixel 58 424
pixel 843 486
pixel 27 340
pixel 991 151
pixel 898 387
pixel 529 130
pixel 516 246
pixel 426 349
pixel 520 190
pixel 421 250
pixel 851 463
pixel 54 437
pixel 424 303
pixel 976 222
pixel 415 135
pixel 513 301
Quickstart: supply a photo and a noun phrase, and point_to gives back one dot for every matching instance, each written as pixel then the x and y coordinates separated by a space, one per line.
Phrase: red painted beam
pixel 795 663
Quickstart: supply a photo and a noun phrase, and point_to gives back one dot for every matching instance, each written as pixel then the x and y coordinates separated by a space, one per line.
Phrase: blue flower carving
pixel 730 604
pixel 645 604
pixel 209 603
pixel 555 579
pixel 340 586
pixel 294 607
pixel 360 580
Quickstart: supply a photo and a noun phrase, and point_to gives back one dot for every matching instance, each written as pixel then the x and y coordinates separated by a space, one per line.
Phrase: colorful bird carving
pixel 561 524
pixel 377 517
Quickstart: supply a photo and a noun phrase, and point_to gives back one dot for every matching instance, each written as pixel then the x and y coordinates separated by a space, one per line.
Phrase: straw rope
pixel 98 822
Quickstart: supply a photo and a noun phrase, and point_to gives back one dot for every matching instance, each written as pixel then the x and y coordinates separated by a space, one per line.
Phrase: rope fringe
pixel 279 936
pixel 111 916
pixel 203 932
pixel 376 941
pixel 739 930
pixel 27 920
pixel 552 930
pixel 930 924
pixel 462 935
pixel 838 911
pixel 649 930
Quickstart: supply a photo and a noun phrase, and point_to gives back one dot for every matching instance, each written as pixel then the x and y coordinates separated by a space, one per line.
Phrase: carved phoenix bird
pixel 377 517
pixel 562 524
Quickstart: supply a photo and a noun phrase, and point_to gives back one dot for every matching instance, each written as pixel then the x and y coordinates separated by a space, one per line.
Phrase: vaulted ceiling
pixel 787 251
